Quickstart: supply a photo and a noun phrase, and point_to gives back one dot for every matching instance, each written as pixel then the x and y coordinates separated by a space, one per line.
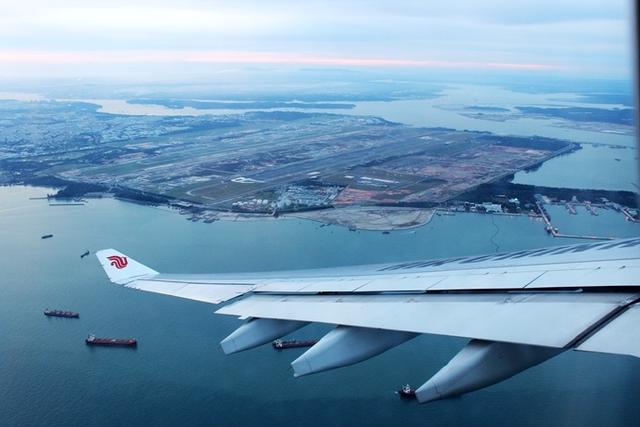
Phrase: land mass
pixel 616 120
pixel 619 116
pixel 503 190
pixel 625 99
pixel 487 109
pixel 244 105
pixel 365 171
pixel 259 162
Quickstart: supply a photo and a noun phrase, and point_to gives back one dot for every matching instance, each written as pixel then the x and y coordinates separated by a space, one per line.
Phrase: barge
pixel 111 342
pixel 61 313
pixel 284 344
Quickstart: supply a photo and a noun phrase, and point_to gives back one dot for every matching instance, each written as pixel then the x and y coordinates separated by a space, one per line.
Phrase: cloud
pixel 243 57
pixel 588 36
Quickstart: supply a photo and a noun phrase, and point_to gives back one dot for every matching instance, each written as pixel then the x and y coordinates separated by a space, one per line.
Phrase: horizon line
pixel 247 57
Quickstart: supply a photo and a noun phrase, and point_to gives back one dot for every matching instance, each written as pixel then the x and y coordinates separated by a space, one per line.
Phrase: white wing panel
pixel 405 282
pixel 505 280
pixel 620 336
pixel 211 292
pixel 334 285
pixel 282 286
pixel 161 287
pixel 552 320
pixel 594 277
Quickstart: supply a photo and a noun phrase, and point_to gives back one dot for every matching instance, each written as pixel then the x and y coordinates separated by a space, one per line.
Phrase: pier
pixel 628 215
pixel 571 209
pixel 554 230
pixel 590 208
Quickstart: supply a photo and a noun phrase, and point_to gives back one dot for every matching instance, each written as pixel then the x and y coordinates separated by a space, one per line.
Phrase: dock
pixel 555 233
pixel 628 215
pixel 592 210
pixel 571 208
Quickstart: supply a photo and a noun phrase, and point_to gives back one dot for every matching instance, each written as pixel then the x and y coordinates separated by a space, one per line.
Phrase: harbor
pixel 552 230
pixel 574 208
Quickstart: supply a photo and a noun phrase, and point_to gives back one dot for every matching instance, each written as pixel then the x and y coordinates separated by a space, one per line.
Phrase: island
pixel 372 173
pixel 244 105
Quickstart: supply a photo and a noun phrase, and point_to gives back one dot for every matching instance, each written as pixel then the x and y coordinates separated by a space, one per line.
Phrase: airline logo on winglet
pixel 118 262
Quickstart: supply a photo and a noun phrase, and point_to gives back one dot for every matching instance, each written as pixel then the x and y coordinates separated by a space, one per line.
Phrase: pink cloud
pixel 244 57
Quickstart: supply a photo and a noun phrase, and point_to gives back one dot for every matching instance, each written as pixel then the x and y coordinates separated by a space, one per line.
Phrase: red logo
pixel 118 262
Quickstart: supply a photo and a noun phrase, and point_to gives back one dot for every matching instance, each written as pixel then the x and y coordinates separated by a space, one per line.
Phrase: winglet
pixel 120 268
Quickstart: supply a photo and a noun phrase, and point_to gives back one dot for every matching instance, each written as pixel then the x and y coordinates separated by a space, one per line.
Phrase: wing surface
pixel 544 319
pixel 579 296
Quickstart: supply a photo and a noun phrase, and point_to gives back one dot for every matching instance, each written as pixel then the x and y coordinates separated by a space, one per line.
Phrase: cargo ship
pixel 111 342
pixel 46 236
pixel 406 392
pixel 61 313
pixel 284 344
pixel 86 253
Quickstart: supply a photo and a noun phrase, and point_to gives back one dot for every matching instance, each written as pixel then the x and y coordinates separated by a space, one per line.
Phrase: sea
pixel 178 375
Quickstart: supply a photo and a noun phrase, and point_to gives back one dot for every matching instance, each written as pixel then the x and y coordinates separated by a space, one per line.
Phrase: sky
pixel 84 38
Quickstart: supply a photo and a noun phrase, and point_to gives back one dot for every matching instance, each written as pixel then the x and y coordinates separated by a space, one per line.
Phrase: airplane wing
pixel 519 308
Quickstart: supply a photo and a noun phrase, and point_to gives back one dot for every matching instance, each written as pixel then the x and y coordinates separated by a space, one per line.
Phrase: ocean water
pixel 179 376
pixel 595 167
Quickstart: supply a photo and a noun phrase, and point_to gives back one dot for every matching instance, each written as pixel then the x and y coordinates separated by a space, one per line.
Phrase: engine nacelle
pixel 257 332
pixel 346 345
pixel 481 364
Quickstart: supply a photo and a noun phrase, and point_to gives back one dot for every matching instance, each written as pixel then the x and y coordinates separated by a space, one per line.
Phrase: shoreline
pixel 383 219
pixel 374 218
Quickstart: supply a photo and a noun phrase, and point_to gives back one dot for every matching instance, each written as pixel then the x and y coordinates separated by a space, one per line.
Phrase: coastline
pixel 387 219
pixel 383 218
pixel 374 218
